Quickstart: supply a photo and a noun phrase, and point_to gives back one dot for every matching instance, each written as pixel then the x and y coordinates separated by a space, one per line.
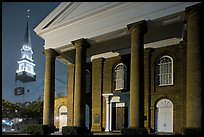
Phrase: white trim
pixel 25 61
pixel 172 71
pixel 157 44
pixel 162 43
pixel 116 80
pixel 64 32
pixel 164 116
pixel 51 16
pixel 104 55
pixel 62 121
pixel 115 99
pixel 121 104
pixel 107 94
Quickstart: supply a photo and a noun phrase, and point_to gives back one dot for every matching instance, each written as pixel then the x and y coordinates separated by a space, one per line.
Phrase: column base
pixel 107 130
pixel 96 129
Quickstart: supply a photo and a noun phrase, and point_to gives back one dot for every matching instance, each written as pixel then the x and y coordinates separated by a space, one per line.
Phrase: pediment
pixel 70 12
pixel 103 21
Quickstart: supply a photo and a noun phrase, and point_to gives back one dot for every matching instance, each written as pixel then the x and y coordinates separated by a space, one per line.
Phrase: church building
pixel 130 65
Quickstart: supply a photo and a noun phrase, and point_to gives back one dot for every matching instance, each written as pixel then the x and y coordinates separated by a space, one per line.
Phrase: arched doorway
pixel 62 117
pixel 164 116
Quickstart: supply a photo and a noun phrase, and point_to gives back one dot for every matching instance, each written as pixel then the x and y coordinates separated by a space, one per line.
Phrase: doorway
pixel 62 117
pixel 119 116
pixel 164 116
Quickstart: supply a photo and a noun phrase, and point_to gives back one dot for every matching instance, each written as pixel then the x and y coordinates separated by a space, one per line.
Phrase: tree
pixel 33 110
pixel 9 109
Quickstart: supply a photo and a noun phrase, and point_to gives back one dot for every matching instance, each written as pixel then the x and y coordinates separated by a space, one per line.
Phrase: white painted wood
pixel 115 99
pixel 120 104
pixel 72 21
pixel 62 117
pixel 164 116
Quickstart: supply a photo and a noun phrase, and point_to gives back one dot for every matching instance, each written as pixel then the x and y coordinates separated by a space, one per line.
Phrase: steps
pixel 56 133
pixel 108 133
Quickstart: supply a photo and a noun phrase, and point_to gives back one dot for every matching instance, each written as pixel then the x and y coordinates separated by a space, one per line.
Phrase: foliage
pixel 9 110
pixel 34 110
pixel 34 129
pixel 74 130
pixel 191 131
pixel 134 131
pixel 22 110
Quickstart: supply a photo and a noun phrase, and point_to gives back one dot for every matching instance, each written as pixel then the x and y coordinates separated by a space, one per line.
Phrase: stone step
pixel 107 133
pixel 56 133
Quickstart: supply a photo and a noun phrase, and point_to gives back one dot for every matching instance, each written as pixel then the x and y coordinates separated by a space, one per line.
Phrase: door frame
pixel 163 104
pixel 63 107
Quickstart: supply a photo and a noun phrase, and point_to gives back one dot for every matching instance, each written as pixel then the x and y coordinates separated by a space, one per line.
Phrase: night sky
pixel 14 17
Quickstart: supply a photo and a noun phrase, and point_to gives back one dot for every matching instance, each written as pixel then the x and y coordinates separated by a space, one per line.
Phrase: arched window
pixel 165 71
pixel 120 77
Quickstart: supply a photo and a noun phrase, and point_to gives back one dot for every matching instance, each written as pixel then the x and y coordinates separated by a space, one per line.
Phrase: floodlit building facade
pixel 130 64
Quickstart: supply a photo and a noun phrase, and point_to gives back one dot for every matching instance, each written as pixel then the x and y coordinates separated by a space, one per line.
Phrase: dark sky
pixel 14 17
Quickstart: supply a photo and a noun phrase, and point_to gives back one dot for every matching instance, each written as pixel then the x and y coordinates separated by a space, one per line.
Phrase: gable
pixel 73 11
pixel 96 20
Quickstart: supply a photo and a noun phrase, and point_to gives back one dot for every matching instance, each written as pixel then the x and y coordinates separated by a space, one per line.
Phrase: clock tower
pixel 25 71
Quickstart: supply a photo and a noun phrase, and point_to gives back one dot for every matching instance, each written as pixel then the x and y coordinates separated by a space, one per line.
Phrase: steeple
pixel 25 72
pixel 27 40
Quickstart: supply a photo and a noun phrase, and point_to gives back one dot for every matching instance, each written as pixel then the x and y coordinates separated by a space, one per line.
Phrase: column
pixel 107 114
pixel 70 97
pixel 107 97
pixel 137 31
pixel 194 76
pixel 49 87
pixel 80 82
pixel 110 116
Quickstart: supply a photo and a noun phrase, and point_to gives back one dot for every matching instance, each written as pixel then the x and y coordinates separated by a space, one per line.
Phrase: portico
pixel 96 39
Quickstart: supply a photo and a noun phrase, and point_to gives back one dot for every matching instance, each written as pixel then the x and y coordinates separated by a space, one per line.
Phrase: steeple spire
pixel 27 39
pixel 25 72
pixel 28 10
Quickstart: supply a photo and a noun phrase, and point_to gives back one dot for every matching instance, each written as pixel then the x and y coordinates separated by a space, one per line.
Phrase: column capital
pixel 107 94
pixel 81 42
pixel 50 52
pixel 140 26
pixel 195 9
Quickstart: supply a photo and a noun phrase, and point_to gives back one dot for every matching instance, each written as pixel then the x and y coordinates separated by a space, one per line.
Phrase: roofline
pixel 51 16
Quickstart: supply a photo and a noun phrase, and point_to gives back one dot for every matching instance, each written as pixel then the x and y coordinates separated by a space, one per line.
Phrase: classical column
pixel 137 31
pixel 107 97
pixel 49 87
pixel 80 80
pixel 70 97
pixel 110 116
pixel 107 114
pixel 194 76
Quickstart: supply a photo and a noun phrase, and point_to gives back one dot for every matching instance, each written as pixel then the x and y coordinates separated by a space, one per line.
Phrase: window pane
pixel 165 71
pixel 120 73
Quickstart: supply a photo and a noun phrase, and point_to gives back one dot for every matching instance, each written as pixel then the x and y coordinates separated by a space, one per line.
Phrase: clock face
pixel 19 90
